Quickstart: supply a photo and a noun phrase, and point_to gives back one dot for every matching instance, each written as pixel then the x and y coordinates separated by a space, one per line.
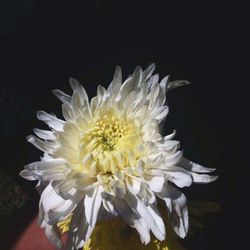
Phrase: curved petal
pixel 27 175
pixel 44 134
pixel 155 183
pixel 64 98
pixel 54 169
pixel 203 178
pixel 194 167
pixel 153 220
pixel 142 228
pixel 51 120
pixel 53 207
pixel 179 176
pixel 44 146
pixel 133 219
pixel 149 71
pixel 79 229
pixel 175 84
pixel 176 203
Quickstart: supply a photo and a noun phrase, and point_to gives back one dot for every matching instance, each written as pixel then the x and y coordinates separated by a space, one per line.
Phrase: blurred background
pixel 43 43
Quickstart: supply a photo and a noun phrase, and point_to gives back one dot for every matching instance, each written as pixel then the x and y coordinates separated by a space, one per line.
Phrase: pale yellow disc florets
pixel 107 132
pixel 113 142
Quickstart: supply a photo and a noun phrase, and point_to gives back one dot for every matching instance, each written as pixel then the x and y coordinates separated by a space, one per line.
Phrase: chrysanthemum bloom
pixel 108 158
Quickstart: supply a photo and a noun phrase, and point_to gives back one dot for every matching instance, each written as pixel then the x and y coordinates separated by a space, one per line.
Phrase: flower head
pixel 109 158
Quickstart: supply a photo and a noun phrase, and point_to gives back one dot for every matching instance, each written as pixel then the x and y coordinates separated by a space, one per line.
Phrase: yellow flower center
pixel 113 142
pixel 107 132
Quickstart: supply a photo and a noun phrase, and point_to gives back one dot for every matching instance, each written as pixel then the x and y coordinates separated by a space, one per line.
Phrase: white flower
pixel 109 158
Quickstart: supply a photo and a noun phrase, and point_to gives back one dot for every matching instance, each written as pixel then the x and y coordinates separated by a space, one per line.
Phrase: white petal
pixel 194 167
pixel 85 182
pixel 137 76
pixel 126 88
pixel 68 153
pixel 92 204
pixel 169 145
pixel 170 136
pixel 101 94
pixel 175 84
pixel 155 182
pixel 148 215
pixel 158 112
pixel 70 137
pixel 149 71
pixel 157 217
pixel 177 209
pixel 142 228
pixel 174 158
pixel 27 175
pixel 52 203
pixel 152 80
pixel 117 75
pixel 179 176
pixel 51 120
pixel 78 88
pixel 134 184
pixel 42 145
pixel 44 134
pixel 64 188
pixel 162 113
pixel 164 83
pixel 61 212
pixel 203 178
pixel 68 112
pixel 79 229
pixel 64 98
pixel 146 194
pixel 133 219
pixel 48 170
pixel 114 87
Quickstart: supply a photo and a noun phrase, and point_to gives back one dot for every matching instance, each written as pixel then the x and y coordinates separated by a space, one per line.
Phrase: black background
pixel 43 43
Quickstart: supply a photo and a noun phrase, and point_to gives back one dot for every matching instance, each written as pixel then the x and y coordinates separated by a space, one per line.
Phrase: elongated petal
pixel 142 228
pixel 64 98
pixel 42 145
pixel 48 170
pixel 194 167
pixel 170 136
pixel 78 88
pixel 92 204
pixel 203 178
pixel 79 229
pixel 175 84
pixel 148 215
pixel 51 120
pixel 177 209
pixel 149 71
pixel 44 134
pixel 27 175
